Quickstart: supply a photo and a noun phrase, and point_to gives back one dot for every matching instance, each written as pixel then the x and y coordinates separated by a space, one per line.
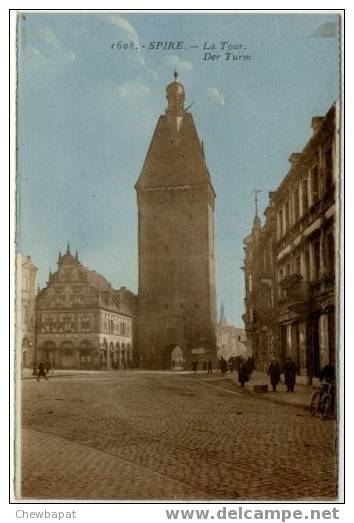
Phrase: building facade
pixel 260 294
pixel 82 322
pixel 177 312
pixel 301 221
pixel 26 274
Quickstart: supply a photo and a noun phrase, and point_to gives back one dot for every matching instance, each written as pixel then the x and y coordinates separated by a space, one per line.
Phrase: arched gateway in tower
pixel 176 244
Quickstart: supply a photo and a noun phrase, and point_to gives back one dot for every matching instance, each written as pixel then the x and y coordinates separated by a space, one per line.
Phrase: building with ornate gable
pixel 82 322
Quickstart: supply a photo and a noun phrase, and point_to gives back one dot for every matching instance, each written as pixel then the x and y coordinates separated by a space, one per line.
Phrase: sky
pixel 87 110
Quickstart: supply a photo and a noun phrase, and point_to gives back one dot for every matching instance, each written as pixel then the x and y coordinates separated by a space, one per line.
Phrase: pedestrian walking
pixel 223 365
pixel 250 366
pixel 210 367
pixel 243 373
pixel 237 362
pixel 274 373
pixel 290 370
pixel 230 364
pixel 195 367
pixel 41 371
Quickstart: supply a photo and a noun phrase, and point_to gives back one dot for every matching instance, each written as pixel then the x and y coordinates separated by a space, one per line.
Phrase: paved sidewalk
pixel 300 398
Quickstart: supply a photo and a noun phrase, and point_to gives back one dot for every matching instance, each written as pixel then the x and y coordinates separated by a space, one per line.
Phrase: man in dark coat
pixel 41 371
pixel 250 365
pixel 243 373
pixel 223 365
pixel 274 373
pixel 195 367
pixel 290 369
pixel 210 367
pixel 328 374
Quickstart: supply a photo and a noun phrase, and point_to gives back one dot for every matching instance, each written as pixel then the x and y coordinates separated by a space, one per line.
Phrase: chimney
pixel 316 123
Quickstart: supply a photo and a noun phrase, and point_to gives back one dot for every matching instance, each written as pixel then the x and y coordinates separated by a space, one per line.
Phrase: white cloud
pixel 126 27
pixel 130 32
pixel 33 57
pixel 130 90
pixel 182 66
pixel 48 51
pixel 153 74
pixel 214 96
pixel 49 38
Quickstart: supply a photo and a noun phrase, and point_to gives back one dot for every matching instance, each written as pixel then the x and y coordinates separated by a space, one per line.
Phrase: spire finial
pixel 175 74
pixel 256 222
pixel 68 249
pixel 76 256
pixel 256 193
pixel 59 257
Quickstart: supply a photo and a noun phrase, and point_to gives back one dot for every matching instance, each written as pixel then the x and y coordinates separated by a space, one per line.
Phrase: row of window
pixel 317 259
pixel 306 193
pixel 65 324
pixel 61 298
pixel 116 326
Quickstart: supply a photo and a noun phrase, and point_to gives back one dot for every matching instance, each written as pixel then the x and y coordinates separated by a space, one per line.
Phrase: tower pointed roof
pixel 175 156
pixel 222 319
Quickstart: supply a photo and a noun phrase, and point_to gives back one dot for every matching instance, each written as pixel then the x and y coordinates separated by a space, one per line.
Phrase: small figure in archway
pixel 210 367
pixel 195 367
pixel 41 371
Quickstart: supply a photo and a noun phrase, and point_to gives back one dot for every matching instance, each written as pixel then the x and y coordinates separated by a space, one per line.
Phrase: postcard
pixel 178 284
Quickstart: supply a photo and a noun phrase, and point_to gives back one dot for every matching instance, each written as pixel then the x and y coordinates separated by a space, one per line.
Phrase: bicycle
pixel 323 400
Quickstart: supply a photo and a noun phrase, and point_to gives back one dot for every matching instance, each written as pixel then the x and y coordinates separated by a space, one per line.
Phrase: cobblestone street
pixel 156 436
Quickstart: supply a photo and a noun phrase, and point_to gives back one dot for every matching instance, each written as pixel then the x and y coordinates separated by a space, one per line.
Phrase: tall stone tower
pixel 177 312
